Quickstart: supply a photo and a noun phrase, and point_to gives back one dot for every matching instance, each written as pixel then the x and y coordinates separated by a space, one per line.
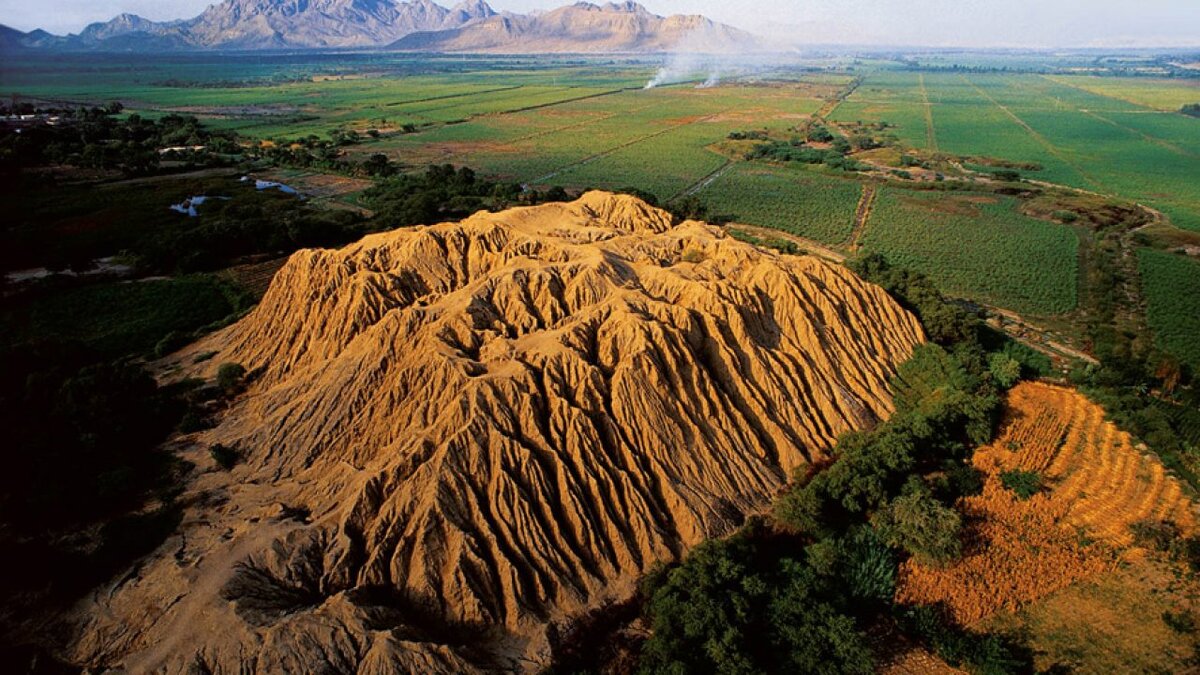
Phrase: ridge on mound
pixel 456 434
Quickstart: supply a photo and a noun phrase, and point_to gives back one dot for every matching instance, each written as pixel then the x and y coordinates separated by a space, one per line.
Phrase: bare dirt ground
pixel 862 215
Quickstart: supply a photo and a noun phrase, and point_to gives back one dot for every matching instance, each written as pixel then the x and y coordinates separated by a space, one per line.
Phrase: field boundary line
pixel 1109 96
pixel 602 117
pixel 1149 137
pixel 1041 140
pixel 704 182
pixel 931 143
pixel 583 123
pixel 471 116
pixel 830 107
pixel 613 150
pixel 811 246
pixel 565 101
pixel 449 96
pixel 862 215
pixel 513 111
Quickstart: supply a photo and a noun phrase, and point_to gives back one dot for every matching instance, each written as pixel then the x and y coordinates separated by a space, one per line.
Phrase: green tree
pixel 921 525
pixel 737 606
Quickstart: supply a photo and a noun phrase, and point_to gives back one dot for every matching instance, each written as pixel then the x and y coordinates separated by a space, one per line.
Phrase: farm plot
pixel 622 122
pixel 1171 284
pixel 1023 549
pixel 540 158
pixel 665 165
pixel 797 201
pixel 1168 95
pixel 895 98
pixel 1179 131
pixel 978 247
pixel 971 121
pixel 1113 157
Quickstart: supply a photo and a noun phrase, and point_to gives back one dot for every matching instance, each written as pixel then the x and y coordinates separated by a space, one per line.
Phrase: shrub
pixel 867 566
pixel 988 654
pixel 192 422
pixel 1005 370
pixel 689 208
pixel 1025 484
pixel 230 377
pixel 225 456
pixel 739 605
pixel 1180 622
pixel 921 525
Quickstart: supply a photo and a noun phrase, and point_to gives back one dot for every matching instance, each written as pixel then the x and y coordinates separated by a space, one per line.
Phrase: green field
pixel 587 123
pixel 1171 284
pixel 1081 138
pixel 978 247
pixel 1166 95
pixel 801 202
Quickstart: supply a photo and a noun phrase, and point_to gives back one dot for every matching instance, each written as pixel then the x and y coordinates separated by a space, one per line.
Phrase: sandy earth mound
pixel 456 434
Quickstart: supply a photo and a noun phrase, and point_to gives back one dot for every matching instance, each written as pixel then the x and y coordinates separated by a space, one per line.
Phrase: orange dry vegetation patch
pixel 1017 552
pixel 1105 482
pixel 1020 551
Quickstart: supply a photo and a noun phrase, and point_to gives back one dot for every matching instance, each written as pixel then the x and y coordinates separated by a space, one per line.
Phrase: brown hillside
pixel 456 434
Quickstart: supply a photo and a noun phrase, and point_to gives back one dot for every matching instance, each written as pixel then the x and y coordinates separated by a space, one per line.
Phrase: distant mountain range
pixel 412 25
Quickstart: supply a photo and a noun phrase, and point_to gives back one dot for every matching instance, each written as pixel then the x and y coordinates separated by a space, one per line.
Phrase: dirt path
pixel 542 106
pixel 566 127
pixel 705 182
pixel 931 143
pixel 166 177
pixel 450 96
pixel 832 105
pixel 862 215
pixel 1161 142
pixel 1033 336
pixel 811 246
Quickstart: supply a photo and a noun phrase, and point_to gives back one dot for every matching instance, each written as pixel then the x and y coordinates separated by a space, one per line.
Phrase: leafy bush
pixel 867 566
pixel 225 456
pixel 172 342
pixel 230 376
pixel 1025 484
pixel 1166 537
pixel 440 193
pixel 739 605
pixel 921 525
pixel 1180 622
pixel 1005 370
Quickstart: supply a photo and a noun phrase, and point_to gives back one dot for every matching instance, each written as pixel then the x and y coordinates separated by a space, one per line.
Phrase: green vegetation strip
pixel 1171 284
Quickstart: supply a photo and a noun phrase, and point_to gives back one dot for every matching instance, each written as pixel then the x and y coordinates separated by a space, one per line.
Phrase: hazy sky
pixel 1032 23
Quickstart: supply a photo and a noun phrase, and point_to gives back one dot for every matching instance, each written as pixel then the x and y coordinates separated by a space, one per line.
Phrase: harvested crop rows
pixel 1098 483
